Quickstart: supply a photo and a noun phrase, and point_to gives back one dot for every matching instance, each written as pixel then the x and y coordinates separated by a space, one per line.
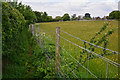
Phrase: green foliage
pixel 58 18
pixel 13 24
pixel 49 19
pixel 22 56
pixel 39 16
pixel 13 4
pixel 14 60
pixel 27 12
pixel 86 18
pixel 85 30
pixel 66 17
pixel 43 17
pixel 114 15
pixel 74 17
pixel 104 39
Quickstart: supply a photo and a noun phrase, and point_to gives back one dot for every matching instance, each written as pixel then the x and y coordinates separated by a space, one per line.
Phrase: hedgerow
pixel 13 23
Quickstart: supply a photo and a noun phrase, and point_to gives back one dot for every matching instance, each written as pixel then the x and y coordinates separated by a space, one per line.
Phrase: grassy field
pixel 84 30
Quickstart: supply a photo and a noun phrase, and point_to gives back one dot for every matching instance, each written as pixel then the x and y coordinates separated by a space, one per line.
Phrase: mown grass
pixel 84 30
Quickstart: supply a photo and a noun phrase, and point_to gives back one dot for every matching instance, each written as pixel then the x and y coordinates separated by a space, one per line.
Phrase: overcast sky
pixel 80 7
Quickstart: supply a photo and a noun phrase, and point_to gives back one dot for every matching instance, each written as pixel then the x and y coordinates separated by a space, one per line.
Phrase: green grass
pixel 84 30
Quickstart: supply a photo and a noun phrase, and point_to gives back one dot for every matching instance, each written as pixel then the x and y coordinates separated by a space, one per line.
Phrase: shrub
pixel 13 23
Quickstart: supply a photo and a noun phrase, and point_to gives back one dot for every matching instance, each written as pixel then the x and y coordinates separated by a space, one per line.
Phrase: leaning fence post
pixel 39 37
pixel 57 48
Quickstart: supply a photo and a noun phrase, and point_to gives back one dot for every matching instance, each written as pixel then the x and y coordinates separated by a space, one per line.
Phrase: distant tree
pixel 44 17
pixel 79 17
pixel 98 18
pixel 66 17
pixel 74 17
pixel 49 19
pixel 58 18
pixel 87 16
pixel 115 15
pixel 38 16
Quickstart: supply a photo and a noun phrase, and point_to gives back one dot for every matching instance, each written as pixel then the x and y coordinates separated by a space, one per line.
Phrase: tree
pixel 87 16
pixel 79 17
pixel 66 17
pixel 27 12
pixel 44 17
pixel 49 19
pixel 74 17
pixel 115 15
pixel 38 16
pixel 98 18
pixel 58 18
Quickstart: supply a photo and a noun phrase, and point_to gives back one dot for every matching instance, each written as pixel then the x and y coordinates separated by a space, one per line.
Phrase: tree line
pixel 43 17
pixel 36 16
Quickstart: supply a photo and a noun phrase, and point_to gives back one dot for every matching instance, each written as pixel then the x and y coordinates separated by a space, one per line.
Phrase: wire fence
pixel 70 62
pixel 89 42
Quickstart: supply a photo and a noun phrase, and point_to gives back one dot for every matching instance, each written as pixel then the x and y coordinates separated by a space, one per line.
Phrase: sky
pixel 79 7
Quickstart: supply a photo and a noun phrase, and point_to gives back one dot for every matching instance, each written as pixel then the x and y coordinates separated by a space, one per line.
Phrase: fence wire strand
pixel 69 67
pixel 77 61
pixel 90 43
pixel 110 61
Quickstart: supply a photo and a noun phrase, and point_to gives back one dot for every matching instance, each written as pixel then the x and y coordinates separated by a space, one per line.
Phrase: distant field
pixel 84 30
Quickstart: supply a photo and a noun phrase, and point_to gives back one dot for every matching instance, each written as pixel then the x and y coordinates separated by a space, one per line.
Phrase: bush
pixel 13 23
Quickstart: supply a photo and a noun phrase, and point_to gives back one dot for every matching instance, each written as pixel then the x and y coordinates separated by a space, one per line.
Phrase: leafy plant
pixel 104 39
pixel 13 24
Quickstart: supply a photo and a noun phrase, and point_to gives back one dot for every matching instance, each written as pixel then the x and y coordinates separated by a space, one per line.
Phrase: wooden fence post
pixel 57 49
pixel 39 37
pixel 32 29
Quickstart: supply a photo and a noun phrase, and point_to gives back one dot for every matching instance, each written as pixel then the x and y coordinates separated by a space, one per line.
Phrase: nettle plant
pixel 103 40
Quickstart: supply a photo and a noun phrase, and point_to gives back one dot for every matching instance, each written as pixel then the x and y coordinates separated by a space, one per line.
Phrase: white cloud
pixel 79 7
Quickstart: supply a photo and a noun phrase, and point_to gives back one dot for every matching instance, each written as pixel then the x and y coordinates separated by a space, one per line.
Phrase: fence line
pixel 78 62
pixel 58 56
pixel 90 43
pixel 93 53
